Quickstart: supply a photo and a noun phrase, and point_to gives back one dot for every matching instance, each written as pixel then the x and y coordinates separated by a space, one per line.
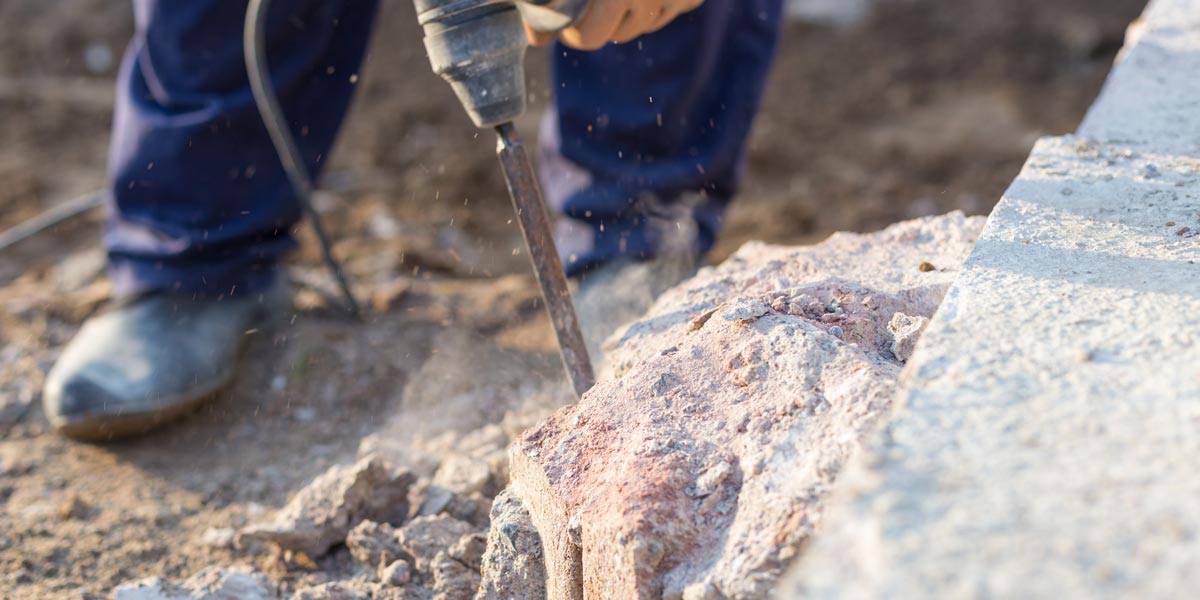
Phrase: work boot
pixel 621 291
pixel 150 360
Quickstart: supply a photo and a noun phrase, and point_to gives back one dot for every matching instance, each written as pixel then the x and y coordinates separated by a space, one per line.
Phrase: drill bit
pixel 535 225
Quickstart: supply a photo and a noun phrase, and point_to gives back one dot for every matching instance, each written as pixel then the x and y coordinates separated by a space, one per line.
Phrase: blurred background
pixel 877 111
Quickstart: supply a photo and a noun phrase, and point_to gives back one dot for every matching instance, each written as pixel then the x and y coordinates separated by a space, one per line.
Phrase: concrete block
pixel 1047 436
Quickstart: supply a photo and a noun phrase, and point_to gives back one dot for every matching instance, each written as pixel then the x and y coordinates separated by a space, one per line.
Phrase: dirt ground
pixel 930 106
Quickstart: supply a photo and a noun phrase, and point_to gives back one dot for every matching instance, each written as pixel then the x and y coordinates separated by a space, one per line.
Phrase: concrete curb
pixel 1047 441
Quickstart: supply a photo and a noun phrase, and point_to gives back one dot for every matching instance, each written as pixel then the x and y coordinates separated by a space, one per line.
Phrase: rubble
pixel 905 332
pixel 212 583
pixel 322 513
pixel 219 537
pixel 333 590
pixel 696 469
pixel 469 550
pixel 452 580
pixel 512 564
pixel 426 537
pixel 465 475
pixel 374 544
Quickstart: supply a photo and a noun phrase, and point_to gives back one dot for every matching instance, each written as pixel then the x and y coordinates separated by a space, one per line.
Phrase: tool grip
pixel 552 16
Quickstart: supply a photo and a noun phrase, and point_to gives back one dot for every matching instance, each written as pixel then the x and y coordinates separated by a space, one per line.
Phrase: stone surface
pixel 209 584
pixel 219 537
pixel 512 564
pixel 322 513
pixel 424 538
pixel 452 580
pixel 1047 443
pixel 696 467
pixel 333 590
pixel 374 544
pixel 465 475
pixel 469 550
pixel 906 331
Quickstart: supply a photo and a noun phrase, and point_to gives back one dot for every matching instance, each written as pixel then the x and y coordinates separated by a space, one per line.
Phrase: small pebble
pixel 836 331
pixel 398 573
pixel 73 508
pixel 926 267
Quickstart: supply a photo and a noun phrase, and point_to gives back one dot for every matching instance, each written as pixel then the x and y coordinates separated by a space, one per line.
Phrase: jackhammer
pixel 479 46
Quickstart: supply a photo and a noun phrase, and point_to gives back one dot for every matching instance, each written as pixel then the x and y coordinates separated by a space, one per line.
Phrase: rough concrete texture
pixel 321 514
pixel 1046 444
pixel 512 565
pixel 374 544
pixel 426 537
pixel 209 584
pixel 695 468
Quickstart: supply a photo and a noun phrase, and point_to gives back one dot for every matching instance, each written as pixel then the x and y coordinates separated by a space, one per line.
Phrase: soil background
pixel 928 106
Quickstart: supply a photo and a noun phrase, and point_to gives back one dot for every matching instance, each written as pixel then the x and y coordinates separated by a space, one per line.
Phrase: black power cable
pixel 255 48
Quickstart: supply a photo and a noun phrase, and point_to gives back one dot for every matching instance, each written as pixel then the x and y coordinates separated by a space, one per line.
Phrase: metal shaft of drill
pixel 535 225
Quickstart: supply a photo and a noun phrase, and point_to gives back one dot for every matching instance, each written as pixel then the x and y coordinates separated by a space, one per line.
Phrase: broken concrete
pixel 209 584
pixel 426 537
pixel 696 468
pixel 374 544
pixel 512 564
pixel 321 514
pixel 1046 446
pixel 906 331
pixel 452 580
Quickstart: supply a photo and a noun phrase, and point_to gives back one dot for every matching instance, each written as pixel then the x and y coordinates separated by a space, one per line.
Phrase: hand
pixel 615 21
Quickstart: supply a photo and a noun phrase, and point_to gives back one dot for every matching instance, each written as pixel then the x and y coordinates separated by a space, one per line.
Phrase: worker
pixel 653 104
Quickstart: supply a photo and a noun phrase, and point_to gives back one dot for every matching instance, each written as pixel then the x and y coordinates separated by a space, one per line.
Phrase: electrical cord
pixel 255 48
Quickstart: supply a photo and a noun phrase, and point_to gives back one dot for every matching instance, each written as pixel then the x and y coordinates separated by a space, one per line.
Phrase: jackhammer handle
pixel 552 16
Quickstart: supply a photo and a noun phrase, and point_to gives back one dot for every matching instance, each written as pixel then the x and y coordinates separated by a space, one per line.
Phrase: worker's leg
pixel 655 126
pixel 200 202
pixel 201 208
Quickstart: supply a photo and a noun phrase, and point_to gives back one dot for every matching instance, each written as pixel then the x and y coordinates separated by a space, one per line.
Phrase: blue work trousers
pixel 201 205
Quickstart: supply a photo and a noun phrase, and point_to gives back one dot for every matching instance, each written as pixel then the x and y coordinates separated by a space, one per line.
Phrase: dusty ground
pixel 930 106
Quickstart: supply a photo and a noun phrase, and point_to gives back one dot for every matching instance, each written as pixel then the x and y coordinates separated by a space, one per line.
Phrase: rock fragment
pixel 512 564
pixel 334 590
pixel 212 583
pixel 452 580
pixel 322 513
pixel 218 537
pixel 906 331
pixel 74 507
pixel 465 475
pixel 469 550
pixel 441 501
pixel 374 544
pixel 399 572
pixel 424 538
